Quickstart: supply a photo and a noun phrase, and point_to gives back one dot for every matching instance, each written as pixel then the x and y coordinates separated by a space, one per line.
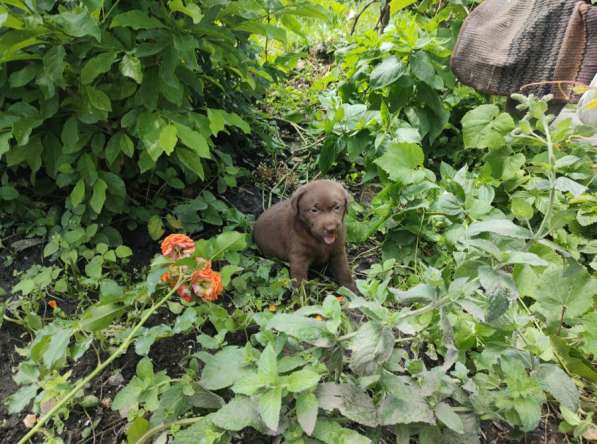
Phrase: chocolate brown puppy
pixel 308 229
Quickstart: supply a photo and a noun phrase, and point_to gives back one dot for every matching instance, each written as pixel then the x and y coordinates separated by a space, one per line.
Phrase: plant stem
pixel 552 183
pixel 100 367
pixel 159 428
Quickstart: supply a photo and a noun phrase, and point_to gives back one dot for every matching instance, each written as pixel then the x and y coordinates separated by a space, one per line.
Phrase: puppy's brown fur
pixel 308 229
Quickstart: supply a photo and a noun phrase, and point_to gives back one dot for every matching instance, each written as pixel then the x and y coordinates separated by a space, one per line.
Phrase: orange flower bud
pixel 318 318
pixel 340 299
pixel 53 304
pixel 273 308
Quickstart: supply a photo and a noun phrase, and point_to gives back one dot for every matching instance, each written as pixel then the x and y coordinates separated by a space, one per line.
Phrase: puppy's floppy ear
pixel 296 197
pixel 347 199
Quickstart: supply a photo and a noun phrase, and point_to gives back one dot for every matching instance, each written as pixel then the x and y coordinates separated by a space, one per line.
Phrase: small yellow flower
pixel 273 308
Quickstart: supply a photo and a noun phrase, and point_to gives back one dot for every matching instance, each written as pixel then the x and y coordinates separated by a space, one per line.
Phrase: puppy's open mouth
pixel 329 238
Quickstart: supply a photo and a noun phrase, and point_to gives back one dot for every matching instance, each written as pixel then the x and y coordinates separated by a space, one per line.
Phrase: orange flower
pixel 184 293
pixel 165 277
pixel 207 284
pixel 340 299
pixel 318 318
pixel 177 246
pixel 53 304
pixel 273 308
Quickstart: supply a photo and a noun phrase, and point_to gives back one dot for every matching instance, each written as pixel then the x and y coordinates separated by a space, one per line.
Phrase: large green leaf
pixel 559 385
pixel 302 328
pixel 136 19
pixel 270 404
pixel 97 65
pixel 486 127
pixel 99 316
pixel 224 368
pixel 79 22
pixel 401 161
pixel 307 407
pixel 387 72
pixel 352 402
pixel 372 345
pixel 130 66
pixel 330 432
pixel 238 414
pixel 302 380
pixel 565 293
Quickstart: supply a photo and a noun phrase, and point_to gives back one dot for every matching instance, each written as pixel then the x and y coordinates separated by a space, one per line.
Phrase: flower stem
pixel 552 183
pixel 159 428
pixel 100 367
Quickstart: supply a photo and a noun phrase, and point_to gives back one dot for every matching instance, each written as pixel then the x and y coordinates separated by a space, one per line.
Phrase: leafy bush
pixel 107 103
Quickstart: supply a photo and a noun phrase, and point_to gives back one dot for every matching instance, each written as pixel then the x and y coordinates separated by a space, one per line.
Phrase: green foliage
pixel 99 96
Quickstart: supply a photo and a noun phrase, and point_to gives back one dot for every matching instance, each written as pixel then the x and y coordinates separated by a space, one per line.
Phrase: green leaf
pixel 350 400
pixel 194 140
pixel 98 99
pixel 421 66
pixel 135 19
pixel 136 429
pixel 70 132
pixel 302 380
pixel 371 346
pixel 405 403
pixel 565 293
pixel 502 227
pixel 168 138
pixel 387 72
pixel 558 384
pixel 249 384
pixel 448 416
pixel 20 399
pixel 227 271
pixel 564 184
pixel 4 143
pixel 130 66
pixel 190 160
pixel 217 120
pixel 201 432
pixel 268 364
pixel 302 328
pixel 238 414
pixel 485 127
pixel 330 432
pixel 224 368
pixel 398 5
pixel 58 346
pixel 191 9
pixel 521 209
pixel 8 192
pixel 123 251
pixel 270 404
pixel 155 227
pixel 78 22
pixel 99 316
pixel 93 268
pixel 95 66
pixel 99 196
pixel 307 407
pixel 401 161
pixel 126 145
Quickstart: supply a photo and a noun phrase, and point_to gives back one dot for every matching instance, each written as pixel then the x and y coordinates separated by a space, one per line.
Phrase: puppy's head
pixel 321 206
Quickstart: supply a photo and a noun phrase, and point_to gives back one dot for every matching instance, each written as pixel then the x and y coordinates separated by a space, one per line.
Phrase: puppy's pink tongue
pixel 329 238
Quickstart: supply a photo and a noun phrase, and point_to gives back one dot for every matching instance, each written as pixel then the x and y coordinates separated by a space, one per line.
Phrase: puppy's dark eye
pixel 337 207
pixel 314 210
